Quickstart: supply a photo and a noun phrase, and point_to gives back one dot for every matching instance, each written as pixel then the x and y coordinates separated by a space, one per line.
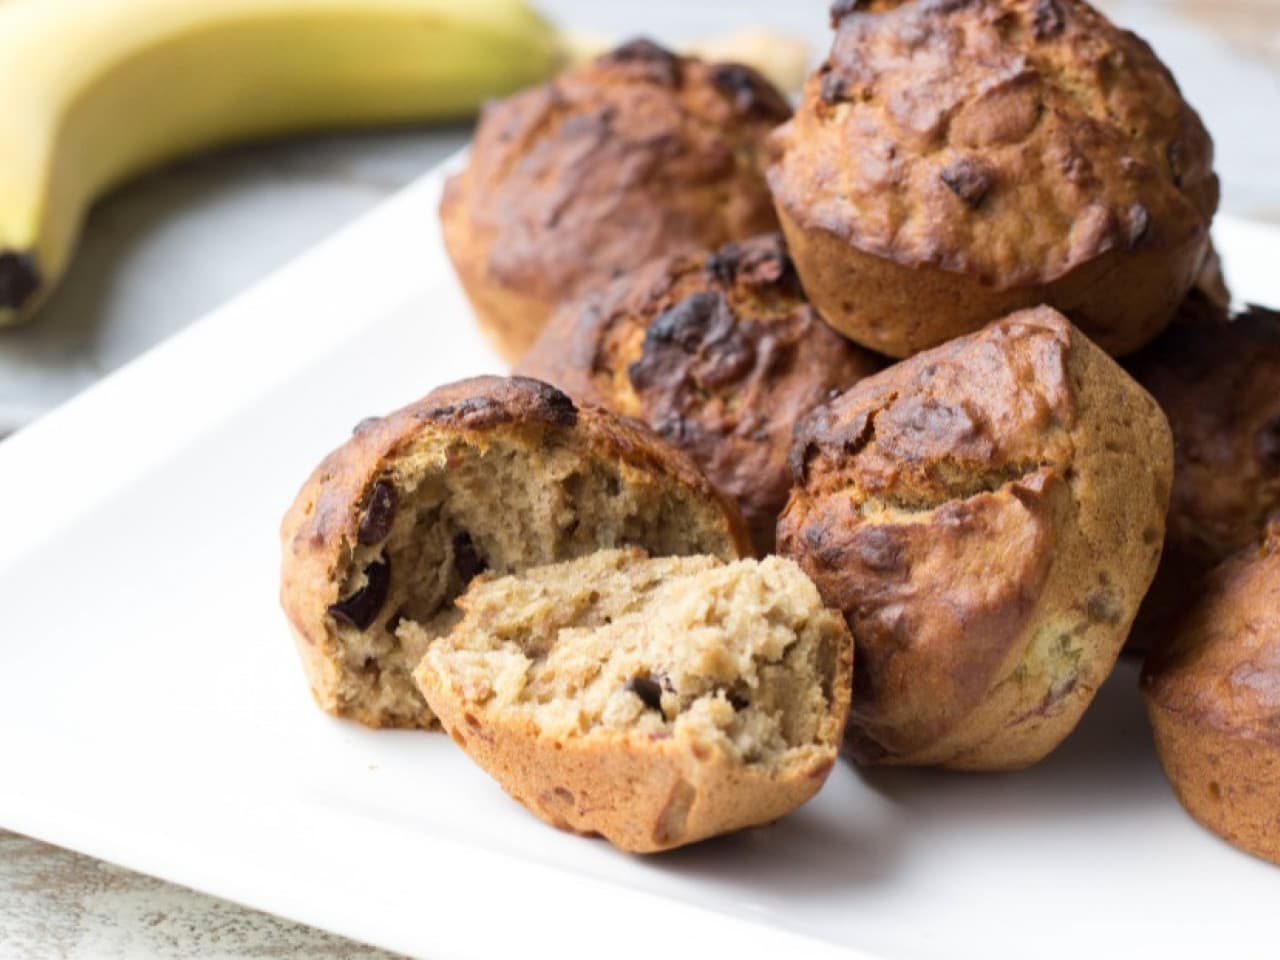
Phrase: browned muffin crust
pixel 720 353
pixel 638 154
pixel 1213 696
pixel 393 524
pixel 1217 378
pixel 988 515
pixel 952 161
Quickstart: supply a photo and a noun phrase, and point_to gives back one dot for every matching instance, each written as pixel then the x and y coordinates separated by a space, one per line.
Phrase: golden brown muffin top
pixel 1218 381
pixel 1224 666
pixel 633 155
pixel 1010 139
pixel 720 353
pixel 934 501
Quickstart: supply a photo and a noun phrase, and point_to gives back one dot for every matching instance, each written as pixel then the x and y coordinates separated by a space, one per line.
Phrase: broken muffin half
pixel 655 701
pixel 496 474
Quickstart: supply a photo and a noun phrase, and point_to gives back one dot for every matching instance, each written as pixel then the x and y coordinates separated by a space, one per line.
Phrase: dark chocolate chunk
pixel 466 558
pixel 833 88
pixel 555 404
pixel 736 700
pixel 647 689
pixel 750 94
pixel 19 279
pixel 1139 224
pixel 1047 19
pixel 968 179
pixel 379 514
pixel 663 65
pixel 361 608
pixel 1266 442
pixel 723 264
pixel 684 323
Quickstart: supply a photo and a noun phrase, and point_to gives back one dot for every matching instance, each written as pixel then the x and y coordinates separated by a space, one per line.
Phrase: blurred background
pixel 164 250
pixel 161 251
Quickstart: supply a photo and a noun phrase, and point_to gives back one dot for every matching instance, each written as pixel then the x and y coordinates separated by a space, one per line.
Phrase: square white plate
pixel 152 712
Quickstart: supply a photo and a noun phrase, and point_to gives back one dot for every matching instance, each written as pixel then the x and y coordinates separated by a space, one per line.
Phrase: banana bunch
pixel 103 90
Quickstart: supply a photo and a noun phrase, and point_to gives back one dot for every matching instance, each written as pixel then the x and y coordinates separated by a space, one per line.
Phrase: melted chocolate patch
pixel 466 559
pixel 749 93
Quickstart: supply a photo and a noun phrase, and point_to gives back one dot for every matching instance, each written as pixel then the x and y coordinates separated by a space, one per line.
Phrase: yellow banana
pixel 100 90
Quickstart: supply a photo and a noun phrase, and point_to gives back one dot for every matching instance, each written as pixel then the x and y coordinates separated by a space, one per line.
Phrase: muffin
pixel 1213 696
pixel 1218 381
pixel 720 353
pixel 653 701
pixel 988 515
pixel 954 161
pixel 486 474
pixel 638 154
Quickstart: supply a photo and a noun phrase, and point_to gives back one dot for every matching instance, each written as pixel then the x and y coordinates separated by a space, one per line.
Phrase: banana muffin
pixel 485 474
pixel 638 154
pixel 988 515
pixel 954 160
pixel 720 353
pixel 1213 696
pixel 1217 378
pixel 653 701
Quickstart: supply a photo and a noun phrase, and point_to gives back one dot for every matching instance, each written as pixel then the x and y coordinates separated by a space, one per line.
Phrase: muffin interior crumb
pixel 461 510
pixel 740 657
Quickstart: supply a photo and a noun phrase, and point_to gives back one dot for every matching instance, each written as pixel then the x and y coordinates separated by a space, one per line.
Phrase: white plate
pixel 152 712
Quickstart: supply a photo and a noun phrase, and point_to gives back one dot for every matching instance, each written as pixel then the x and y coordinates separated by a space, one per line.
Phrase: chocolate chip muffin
pixel 1213 696
pixel 636 155
pixel 954 160
pixel 720 353
pixel 988 515
pixel 486 474
pixel 653 701
pixel 1217 378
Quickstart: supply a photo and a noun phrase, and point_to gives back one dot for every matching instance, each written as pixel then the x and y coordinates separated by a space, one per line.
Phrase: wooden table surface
pixel 180 224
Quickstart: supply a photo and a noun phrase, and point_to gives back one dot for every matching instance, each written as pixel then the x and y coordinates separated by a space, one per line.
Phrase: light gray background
pixel 162 252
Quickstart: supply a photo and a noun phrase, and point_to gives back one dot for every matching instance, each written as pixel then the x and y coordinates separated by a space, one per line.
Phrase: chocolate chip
pixel 554 404
pixel 379 514
pixel 1047 19
pixel 968 179
pixel 832 89
pixel 663 65
pixel 684 323
pixel 466 558
pixel 361 608
pixel 723 264
pixel 1139 224
pixel 19 279
pixel 647 689
pixel 749 93
pixel 1266 442
pixel 736 700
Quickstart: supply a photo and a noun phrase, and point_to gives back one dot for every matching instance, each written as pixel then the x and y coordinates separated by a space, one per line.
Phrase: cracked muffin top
pixel 988 514
pixel 1013 140
pixel 635 155
pixel 720 353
